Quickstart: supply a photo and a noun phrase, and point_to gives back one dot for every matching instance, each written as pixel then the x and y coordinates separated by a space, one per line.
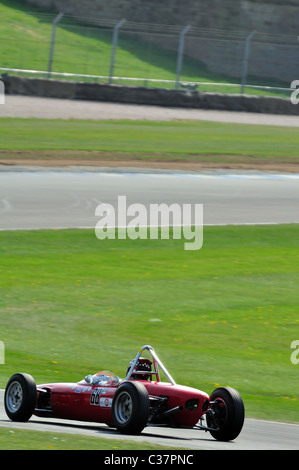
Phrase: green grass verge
pixel 187 140
pixel 83 49
pixel 226 314
pixel 18 439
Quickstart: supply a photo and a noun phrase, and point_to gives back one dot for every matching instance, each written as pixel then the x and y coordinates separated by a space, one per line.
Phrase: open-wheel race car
pixel 129 404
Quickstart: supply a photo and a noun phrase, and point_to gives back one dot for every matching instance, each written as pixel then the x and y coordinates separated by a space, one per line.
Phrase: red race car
pixel 129 404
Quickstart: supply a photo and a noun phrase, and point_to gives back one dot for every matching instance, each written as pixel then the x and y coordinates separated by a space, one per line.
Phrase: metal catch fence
pixel 141 54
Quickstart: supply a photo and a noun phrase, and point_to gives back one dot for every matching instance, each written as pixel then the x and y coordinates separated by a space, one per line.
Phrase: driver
pixel 142 365
pixel 104 378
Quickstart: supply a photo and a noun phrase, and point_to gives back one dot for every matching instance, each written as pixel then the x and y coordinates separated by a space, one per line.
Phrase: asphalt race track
pixel 47 198
pixel 256 434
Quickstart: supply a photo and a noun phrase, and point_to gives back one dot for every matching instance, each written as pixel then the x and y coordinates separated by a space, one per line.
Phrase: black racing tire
pixel 130 408
pixel 229 413
pixel 20 397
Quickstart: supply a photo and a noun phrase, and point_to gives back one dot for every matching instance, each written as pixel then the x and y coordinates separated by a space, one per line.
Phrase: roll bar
pixel 156 361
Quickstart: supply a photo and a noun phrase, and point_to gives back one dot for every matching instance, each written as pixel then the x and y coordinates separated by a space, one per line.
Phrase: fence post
pixel 51 54
pixel 180 55
pixel 114 46
pixel 245 60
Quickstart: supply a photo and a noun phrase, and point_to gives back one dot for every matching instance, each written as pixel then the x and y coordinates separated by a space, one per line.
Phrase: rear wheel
pixel 130 408
pixel 20 397
pixel 226 414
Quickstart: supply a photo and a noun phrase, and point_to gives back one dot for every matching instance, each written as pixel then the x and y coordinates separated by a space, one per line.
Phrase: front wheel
pixel 226 414
pixel 20 397
pixel 130 408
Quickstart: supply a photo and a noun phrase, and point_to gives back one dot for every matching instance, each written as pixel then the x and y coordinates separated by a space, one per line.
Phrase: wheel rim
pixel 14 397
pixel 123 407
pixel 221 409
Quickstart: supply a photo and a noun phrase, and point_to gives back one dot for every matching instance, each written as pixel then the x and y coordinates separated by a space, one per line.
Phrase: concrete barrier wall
pixel 150 96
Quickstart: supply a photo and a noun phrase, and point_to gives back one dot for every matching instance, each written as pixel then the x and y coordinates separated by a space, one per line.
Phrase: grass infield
pixel 223 315
pixel 20 439
pixel 189 141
